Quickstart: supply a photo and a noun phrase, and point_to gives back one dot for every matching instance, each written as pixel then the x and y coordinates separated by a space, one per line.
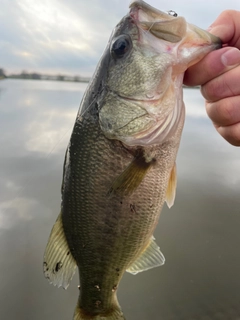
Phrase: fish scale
pixel 99 223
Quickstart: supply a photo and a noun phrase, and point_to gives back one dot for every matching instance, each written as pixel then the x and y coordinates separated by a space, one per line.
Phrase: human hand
pixel 219 76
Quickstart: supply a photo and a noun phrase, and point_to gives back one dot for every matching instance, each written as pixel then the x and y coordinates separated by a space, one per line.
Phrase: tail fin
pixel 114 314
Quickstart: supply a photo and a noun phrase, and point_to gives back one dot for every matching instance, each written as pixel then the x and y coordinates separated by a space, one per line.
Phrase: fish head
pixel 149 50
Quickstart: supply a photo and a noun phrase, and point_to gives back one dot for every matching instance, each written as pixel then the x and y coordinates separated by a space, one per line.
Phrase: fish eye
pixel 121 46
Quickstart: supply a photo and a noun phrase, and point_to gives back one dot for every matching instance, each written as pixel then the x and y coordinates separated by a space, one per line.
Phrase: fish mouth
pixel 170 27
pixel 161 24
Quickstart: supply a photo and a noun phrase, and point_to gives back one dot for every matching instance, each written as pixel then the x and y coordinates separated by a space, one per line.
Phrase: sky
pixel 69 36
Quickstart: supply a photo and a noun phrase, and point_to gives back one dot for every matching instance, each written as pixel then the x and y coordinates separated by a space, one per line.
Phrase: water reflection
pixel 198 236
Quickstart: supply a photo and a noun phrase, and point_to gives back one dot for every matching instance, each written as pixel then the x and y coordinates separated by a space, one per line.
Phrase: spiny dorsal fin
pixel 150 258
pixel 131 177
pixel 59 265
pixel 172 185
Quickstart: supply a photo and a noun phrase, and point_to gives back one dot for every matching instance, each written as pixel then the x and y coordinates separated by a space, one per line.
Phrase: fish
pixel 120 164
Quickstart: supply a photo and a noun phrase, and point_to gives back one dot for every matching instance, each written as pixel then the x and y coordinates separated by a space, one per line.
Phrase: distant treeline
pixel 60 77
pixel 2 74
pixel 38 76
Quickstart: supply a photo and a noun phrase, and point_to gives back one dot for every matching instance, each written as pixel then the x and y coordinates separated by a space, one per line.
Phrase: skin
pixel 219 75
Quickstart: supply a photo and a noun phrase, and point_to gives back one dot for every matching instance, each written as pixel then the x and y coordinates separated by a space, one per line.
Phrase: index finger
pixel 227 28
pixel 212 66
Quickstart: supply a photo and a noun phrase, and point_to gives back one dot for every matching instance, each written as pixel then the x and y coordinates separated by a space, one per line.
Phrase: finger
pixel 224 112
pixel 213 65
pixel 231 134
pixel 223 86
pixel 226 27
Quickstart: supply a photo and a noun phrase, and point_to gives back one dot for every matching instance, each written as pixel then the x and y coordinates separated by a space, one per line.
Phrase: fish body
pixel 119 166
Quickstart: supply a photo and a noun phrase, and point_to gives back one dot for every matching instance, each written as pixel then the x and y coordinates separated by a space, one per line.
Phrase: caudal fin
pixel 114 314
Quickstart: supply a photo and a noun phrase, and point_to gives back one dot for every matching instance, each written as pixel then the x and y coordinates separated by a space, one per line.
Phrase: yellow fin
pixel 151 257
pixel 59 265
pixel 172 185
pixel 131 177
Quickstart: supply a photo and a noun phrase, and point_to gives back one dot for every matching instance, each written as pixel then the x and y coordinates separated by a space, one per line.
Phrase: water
pixel 199 236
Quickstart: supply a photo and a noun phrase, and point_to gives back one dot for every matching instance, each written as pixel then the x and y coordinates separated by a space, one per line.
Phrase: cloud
pixel 53 127
pixel 54 34
pixel 45 115
pixel 13 211
pixel 70 36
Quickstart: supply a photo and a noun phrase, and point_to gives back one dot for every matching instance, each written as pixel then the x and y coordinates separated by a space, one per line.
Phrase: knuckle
pixel 216 89
pixel 225 111
pixel 235 136
pixel 221 112
pixel 231 134
pixel 210 90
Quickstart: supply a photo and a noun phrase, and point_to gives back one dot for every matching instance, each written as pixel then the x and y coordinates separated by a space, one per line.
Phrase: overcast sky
pixel 68 36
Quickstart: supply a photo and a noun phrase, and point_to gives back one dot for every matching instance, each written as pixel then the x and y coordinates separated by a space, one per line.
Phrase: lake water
pixel 199 236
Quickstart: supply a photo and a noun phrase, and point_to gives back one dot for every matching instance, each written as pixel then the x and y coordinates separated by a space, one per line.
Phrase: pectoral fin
pixel 131 177
pixel 172 185
pixel 150 258
pixel 59 265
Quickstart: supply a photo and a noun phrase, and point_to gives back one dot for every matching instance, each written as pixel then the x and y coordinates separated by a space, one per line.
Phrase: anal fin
pixel 150 258
pixel 59 265
pixel 172 185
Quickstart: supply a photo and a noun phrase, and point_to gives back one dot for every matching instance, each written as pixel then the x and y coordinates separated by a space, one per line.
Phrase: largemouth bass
pixel 119 166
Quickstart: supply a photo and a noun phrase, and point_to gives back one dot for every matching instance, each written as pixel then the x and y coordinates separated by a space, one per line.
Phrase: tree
pixel 35 76
pixel 2 74
pixel 60 77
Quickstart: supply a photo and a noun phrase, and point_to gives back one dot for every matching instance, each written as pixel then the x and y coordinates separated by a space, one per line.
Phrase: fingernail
pixel 231 57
